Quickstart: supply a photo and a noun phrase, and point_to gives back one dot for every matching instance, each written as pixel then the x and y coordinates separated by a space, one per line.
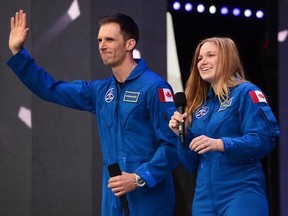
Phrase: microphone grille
pixel 180 99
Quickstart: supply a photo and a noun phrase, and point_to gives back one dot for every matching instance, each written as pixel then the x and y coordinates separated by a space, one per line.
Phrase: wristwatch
pixel 139 182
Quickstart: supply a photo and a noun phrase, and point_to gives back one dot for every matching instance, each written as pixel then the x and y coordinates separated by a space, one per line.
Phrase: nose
pixel 203 59
pixel 100 44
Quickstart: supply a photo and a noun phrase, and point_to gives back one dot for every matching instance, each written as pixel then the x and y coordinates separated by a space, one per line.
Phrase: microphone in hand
pixel 114 170
pixel 180 102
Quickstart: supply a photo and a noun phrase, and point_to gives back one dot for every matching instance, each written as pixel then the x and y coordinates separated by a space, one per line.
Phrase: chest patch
pixel 202 111
pixel 109 95
pixel 225 105
pixel 131 97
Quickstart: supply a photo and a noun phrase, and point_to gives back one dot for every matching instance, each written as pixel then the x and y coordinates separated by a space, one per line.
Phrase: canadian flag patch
pixel 257 96
pixel 165 95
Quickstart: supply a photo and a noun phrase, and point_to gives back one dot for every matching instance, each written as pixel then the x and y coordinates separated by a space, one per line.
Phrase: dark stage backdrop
pixel 50 156
pixel 283 104
pixel 257 43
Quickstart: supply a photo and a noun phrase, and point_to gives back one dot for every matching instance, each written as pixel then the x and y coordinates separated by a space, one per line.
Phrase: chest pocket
pixel 107 108
pixel 132 110
pixel 216 122
pixel 225 122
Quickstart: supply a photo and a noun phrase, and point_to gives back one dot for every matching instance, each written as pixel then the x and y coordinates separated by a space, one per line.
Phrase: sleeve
pixel 258 126
pixel 74 94
pixel 187 157
pixel 165 158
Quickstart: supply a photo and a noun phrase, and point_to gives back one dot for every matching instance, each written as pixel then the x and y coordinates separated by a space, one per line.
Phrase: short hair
pixel 129 29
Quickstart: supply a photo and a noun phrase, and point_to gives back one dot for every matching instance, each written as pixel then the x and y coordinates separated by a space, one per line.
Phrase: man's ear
pixel 130 44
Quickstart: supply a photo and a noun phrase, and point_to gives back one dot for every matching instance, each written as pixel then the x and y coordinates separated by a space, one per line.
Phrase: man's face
pixel 112 46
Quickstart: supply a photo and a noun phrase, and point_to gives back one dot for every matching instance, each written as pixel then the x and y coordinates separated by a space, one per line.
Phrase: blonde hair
pixel 232 74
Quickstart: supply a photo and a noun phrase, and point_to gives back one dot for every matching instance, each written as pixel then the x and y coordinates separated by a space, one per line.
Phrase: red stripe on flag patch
pixel 257 96
pixel 165 95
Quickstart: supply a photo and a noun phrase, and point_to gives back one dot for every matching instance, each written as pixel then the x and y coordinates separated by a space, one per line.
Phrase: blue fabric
pixel 133 128
pixel 231 182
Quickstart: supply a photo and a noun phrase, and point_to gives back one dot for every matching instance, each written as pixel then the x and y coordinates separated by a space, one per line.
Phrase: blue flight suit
pixel 232 183
pixel 133 128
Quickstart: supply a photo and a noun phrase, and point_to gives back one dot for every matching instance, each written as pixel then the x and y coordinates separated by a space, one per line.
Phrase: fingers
pixel 23 20
pixel 12 23
pixel 122 184
pixel 115 185
pixel 176 119
pixel 200 144
pixel 19 20
pixel 173 123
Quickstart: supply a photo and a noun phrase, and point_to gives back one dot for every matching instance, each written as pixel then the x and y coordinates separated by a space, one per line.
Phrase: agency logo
pixel 109 96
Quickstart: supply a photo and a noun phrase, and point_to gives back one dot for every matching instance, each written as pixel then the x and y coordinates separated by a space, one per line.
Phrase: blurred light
pixel 224 10
pixel 188 6
pixel 212 9
pixel 136 54
pixel 236 11
pixel 282 35
pixel 259 14
pixel 176 5
pixel 74 10
pixel 72 13
pixel 200 8
pixel 247 12
pixel 25 115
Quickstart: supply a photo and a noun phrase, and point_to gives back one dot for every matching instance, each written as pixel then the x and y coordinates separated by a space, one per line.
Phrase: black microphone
pixel 114 170
pixel 180 103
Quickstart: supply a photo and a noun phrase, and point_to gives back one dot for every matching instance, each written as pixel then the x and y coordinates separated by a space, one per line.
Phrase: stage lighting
pixel 247 13
pixel 224 10
pixel 24 114
pixel 232 10
pixel 236 12
pixel 74 10
pixel 200 8
pixel 259 14
pixel 176 5
pixel 188 7
pixel 212 9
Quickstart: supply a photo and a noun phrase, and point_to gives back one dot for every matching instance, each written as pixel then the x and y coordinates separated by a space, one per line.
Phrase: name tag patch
pixel 131 97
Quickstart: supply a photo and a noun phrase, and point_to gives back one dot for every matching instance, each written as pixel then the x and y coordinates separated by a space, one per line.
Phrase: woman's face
pixel 208 63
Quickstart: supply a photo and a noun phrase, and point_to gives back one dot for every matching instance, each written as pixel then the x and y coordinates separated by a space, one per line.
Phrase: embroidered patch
pixel 257 96
pixel 109 96
pixel 202 111
pixel 225 105
pixel 130 96
pixel 165 95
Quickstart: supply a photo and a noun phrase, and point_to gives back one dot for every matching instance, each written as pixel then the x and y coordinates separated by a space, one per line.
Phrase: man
pixel 131 109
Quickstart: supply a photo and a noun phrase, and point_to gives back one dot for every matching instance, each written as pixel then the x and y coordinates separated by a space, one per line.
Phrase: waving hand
pixel 19 32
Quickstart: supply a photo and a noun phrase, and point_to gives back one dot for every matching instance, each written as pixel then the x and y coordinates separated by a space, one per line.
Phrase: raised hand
pixel 19 32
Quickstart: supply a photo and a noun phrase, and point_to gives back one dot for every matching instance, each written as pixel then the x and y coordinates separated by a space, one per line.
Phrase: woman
pixel 230 128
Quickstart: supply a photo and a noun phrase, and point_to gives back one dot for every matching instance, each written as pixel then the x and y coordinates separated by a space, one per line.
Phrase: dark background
pixel 54 168
pixel 256 40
